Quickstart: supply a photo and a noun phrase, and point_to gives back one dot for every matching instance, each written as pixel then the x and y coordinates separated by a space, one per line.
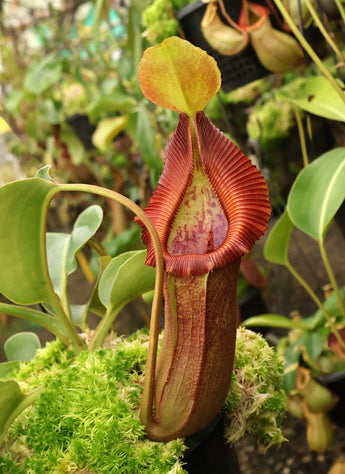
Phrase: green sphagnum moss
pixel 87 419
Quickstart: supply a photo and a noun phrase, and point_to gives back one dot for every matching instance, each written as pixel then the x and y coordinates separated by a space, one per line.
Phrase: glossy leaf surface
pixel 317 96
pixel 23 206
pixel 62 248
pixel 277 244
pixel 318 193
pixel 10 397
pixel 22 346
pixel 191 77
pixel 125 278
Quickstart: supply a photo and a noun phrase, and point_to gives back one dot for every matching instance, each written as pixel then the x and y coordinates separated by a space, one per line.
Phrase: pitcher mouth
pixel 237 187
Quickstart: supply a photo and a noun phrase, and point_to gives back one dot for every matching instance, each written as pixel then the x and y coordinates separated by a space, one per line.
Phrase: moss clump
pixel 256 402
pixel 270 122
pixel 159 19
pixel 87 419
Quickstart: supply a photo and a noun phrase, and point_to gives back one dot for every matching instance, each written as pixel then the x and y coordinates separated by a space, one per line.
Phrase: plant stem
pixel 43 319
pixel 148 391
pixel 310 292
pixel 304 43
pixel 301 136
pixel 103 328
pixel 323 31
pixel 150 371
pixel 341 9
pixel 77 343
pixel 86 269
pixel 332 278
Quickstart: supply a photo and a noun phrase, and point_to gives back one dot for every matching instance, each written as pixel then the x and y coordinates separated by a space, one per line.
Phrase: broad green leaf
pixel 56 256
pixel 179 76
pixel 313 345
pixel 146 139
pixel 317 194
pixel 22 346
pixel 84 228
pixel 10 398
pixel 12 403
pixel 62 248
pixel 126 277
pixel 317 96
pixel 109 276
pixel 43 74
pixel 95 305
pixel 75 147
pixel 24 278
pixel 6 368
pixel 107 130
pixel 277 244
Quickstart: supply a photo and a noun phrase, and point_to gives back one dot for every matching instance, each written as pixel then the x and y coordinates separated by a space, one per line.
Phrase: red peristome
pixel 260 11
pixel 237 184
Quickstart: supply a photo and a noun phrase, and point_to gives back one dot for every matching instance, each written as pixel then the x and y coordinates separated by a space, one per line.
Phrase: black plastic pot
pixel 209 453
pixel 336 383
pixel 83 128
pixel 251 305
pixel 236 70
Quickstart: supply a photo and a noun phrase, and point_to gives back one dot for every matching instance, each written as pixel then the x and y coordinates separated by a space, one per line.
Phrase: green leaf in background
pixel 13 101
pixel 270 320
pixel 126 277
pixel 332 308
pixel 75 147
pixel 317 194
pixel 23 205
pixel 22 346
pixel 317 96
pixel 291 362
pixel 43 74
pixel 146 140
pixel 313 345
pixel 277 244
pixel 107 130
pixel 110 104
pixel 62 248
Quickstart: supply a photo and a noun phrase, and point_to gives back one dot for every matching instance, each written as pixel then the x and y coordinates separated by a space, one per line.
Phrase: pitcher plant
pixel 210 206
